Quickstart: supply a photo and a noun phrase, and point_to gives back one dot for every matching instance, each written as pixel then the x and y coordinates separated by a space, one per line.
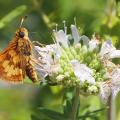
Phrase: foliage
pixel 42 113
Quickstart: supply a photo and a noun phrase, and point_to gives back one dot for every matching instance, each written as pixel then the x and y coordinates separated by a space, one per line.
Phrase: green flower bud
pixel 60 77
pixel 93 89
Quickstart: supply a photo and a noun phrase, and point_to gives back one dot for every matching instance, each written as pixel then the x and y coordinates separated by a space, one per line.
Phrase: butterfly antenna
pixel 22 20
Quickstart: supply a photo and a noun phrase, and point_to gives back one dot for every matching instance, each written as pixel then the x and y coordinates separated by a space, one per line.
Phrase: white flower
pixel 113 72
pixel 106 48
pixel 115 76
pixel 115 54
pixel 61 38
pixel 41 72
pixel 110 87
pixel 82 72
pixel 109 50
pixel 93 43
pixel 85 40
pixel 47 59
pixel 105 91
pixel 78 61
pixel 75 34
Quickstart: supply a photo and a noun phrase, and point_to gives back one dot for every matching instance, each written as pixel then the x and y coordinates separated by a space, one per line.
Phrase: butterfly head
pixel 22 33
pixel 23 42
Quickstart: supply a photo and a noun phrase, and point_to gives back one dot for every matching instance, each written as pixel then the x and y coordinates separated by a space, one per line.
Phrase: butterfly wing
pixel 11 66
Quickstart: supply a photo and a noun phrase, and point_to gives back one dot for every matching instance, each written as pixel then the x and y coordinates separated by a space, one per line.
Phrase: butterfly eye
pixel 21 34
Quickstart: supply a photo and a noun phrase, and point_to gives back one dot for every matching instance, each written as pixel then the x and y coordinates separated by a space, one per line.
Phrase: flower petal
pixel 115 54
pixel 47 59
pixel 115 76
pixel 61 38
pixel 82 72
pixel 41 72
pixel 85 40
pixel 105 91
pixel 115 90
pixel 93 44
pixel 75 34
pixel 106 48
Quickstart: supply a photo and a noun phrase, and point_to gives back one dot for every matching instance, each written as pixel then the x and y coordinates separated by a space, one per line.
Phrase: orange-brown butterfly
pixel 16 60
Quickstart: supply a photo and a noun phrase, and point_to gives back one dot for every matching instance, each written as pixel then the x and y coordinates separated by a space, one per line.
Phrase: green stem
pixel 111 109
pixel 111 9
pixel 75 104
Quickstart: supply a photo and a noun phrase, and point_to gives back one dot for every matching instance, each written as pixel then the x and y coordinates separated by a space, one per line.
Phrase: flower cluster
pixel 75 60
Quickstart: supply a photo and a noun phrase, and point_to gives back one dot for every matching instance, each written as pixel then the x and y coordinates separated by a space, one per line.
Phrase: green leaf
pixel 40 116
pixel 13 14
pixel 96 111
pixel 67 108
pixel 70 97
pixel 92 114
pixel 46 114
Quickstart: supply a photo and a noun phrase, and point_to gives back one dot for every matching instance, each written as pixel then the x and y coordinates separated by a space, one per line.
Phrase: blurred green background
pixel 92 16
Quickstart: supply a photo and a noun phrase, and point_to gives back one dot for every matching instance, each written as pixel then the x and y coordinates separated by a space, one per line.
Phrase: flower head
pixel 82 63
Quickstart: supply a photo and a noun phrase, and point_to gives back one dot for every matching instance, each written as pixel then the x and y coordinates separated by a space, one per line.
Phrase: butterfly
pixel 16 59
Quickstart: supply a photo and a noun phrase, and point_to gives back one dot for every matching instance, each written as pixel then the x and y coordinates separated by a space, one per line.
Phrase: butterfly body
pixel 16 59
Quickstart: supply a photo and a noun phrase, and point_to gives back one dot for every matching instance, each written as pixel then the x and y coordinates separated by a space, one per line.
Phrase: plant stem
pixel 110 10
pixel 75 104
pixel 111 109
